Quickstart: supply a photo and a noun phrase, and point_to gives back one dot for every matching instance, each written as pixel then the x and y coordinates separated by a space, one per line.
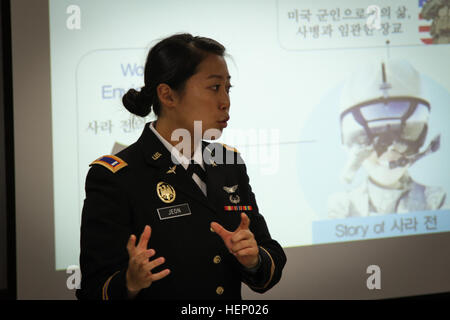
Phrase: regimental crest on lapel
pixel 234 198
pixel 165 192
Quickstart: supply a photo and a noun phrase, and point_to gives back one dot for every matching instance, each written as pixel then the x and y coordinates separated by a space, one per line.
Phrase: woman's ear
pixel 167 96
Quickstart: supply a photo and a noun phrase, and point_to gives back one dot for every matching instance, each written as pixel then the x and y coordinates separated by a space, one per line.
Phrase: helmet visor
pixel 390 120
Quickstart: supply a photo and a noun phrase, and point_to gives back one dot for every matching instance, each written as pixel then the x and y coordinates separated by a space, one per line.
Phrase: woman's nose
pixel 225 101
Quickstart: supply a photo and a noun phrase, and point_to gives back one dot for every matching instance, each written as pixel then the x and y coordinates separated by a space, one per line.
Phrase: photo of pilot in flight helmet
pixel 384 124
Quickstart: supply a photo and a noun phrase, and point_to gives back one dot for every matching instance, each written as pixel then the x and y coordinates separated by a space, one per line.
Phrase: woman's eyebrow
pixel 218 76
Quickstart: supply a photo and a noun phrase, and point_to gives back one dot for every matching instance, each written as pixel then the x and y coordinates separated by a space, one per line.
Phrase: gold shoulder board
pixel 230 148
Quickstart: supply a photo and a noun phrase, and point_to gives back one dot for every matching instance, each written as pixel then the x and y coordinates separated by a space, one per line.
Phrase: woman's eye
pixel 216 87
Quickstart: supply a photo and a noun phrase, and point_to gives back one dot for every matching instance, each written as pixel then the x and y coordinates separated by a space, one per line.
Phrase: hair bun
pixel 138 103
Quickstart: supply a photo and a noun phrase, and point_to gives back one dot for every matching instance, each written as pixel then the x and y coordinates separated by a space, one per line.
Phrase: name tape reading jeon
pixel 174 211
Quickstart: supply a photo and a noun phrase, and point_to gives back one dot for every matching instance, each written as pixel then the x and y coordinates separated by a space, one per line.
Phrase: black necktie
pixel 196 168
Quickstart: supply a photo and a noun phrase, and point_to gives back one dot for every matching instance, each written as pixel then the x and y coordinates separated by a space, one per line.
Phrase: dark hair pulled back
pixel 172 61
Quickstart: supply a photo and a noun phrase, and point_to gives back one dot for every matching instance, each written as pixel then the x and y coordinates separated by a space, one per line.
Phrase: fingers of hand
pixel 160 275
pixel 221 231
pixel 142 257
pixel 143 241
pixel 244 244
pixel 144 265
pixel 145 236
pixel 238 240
pixel 131 245
pixel 154 263
pixel 247 252
pixel 242 235
pixel 245 222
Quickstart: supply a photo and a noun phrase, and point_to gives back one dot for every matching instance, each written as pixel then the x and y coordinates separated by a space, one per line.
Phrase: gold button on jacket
pixel 220 290
pixel 217 259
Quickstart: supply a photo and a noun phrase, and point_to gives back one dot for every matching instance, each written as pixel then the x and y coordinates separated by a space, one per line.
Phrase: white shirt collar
pixel 180 158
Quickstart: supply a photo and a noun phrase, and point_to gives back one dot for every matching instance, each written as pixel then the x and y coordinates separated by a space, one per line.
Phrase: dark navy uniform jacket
pixel 122 200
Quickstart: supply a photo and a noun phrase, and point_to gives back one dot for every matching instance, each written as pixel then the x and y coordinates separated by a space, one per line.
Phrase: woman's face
pixel 379 171
pixel 206 97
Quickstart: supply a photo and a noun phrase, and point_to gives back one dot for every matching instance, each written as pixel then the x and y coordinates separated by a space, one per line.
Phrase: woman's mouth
pixel 223 123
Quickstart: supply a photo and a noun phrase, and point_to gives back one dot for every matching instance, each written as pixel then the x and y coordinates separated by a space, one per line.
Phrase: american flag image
pixel 424 27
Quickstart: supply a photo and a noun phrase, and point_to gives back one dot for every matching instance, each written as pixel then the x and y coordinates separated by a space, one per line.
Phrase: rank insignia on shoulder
pixel 230 148
pixel 112 163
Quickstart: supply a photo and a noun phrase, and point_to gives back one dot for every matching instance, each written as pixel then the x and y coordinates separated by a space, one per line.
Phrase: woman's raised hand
pixel 139 273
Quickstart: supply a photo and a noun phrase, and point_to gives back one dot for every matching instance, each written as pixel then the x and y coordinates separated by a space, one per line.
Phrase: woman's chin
pixel 212 134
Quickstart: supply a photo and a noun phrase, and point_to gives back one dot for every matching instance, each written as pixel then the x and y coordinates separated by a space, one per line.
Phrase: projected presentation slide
pixel 340 109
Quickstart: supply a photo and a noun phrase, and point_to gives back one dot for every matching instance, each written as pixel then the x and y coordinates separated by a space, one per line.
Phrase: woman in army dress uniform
pixel 158 223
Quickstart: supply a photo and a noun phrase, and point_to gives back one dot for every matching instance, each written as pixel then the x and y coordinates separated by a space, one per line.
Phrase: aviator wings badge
pixel 234 198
